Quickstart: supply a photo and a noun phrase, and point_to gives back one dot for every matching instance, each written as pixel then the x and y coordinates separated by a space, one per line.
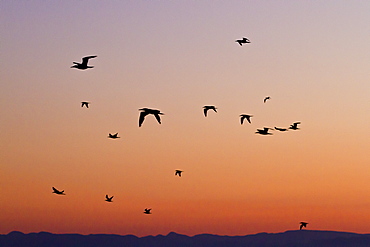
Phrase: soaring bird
pixel 208 107
pixel 294 126
pixel 108 199
pixel 113 136
pixel 303 224
pixel 281 129
pixel 84 103
pixel 83 65
pixel 245 116
pixel 147 211
pixel 58 191
pixel 266 98
pixel 264 131
pixel 178 172
pixel 243 41
pixel 146 111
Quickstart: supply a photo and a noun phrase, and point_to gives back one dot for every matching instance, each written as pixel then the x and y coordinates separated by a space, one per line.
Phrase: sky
pixel 311 58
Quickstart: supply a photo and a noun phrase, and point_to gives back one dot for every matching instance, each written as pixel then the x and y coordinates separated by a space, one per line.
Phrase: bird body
pixel 108 199
pixel 245 116
pixel 281 129
pixel 302 224
pixel 83 65
pixel 264 131
pixel 242 41
pixel 58 192
pixel 85 103
pixel 147 211
pixel 294 126
pixel 178 172
pixel 146 111
pixel 208 107
pixel 113 136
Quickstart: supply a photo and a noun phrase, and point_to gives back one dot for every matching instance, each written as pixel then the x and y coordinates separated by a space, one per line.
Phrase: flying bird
pixel 58 191
pixel 84 103
pixel 264 131
pixel 83 65
pixel 243 41
pixel 266 98
pixel 146 111
pixel 147 211
pixel 113 136
pixel 178 172
pixel 303 224
pixel 281 129
pixel 208 107
pixel 108 199
pixel 294 126
pixel 245 116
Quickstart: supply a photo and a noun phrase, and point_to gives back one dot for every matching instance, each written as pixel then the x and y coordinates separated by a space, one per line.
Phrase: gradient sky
pixel 311 58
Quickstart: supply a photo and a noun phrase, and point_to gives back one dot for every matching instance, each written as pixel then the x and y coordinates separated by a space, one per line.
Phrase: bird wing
pixel 106 196
pixel 242 119
pixel 300 227
pixel 214 108
pixel 55 190
pixel 85 60
pixel 249 119
pixel 205 111
pixel 158 118
pixel 142 117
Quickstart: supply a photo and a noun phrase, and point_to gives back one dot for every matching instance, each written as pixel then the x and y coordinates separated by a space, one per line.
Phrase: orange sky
pixel 311 58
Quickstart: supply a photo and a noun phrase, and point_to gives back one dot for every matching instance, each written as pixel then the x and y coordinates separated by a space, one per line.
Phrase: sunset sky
pixel 311 57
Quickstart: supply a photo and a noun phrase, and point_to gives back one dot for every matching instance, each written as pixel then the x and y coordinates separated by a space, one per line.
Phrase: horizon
pixel 310 58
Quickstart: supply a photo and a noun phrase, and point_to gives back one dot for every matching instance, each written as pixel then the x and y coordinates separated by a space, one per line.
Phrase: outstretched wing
pixel 142 117
pixel 242 119
pixel 205 111
pixel 158 118
pixel 55 190
pixel 85 60
pixel 249 119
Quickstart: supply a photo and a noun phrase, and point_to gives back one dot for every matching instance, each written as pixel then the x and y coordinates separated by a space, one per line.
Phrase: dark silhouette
pixel 306 238
pixel 281 129
pixel 245 116
pixel 115 136
pixel 264 131
pixel 266 98
pixel 178 172
pixel 147 211
pixel 83 65
pixel 294 126
pixel 208 107
pixel 303 224
pixel 84 103
pixel 108 199
pixel 243 41
pixel 58 192
pixel 146 111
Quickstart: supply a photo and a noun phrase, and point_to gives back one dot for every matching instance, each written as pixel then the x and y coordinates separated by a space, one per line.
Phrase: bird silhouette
pixel 281 129
pixel 58 191
pixel 108 199
pixel 243 41
pixel 303 224
pixel 83 65
pixel 294 126
pixel 147 211
pixel 266 98
pixel 178 172
pixel 84 103
pixel 146 111
pixel 113 136
pixel 264 131
pixel 245 116
pixel 208 107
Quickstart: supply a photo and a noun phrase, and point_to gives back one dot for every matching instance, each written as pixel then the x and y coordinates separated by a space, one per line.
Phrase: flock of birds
pixel 156 113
